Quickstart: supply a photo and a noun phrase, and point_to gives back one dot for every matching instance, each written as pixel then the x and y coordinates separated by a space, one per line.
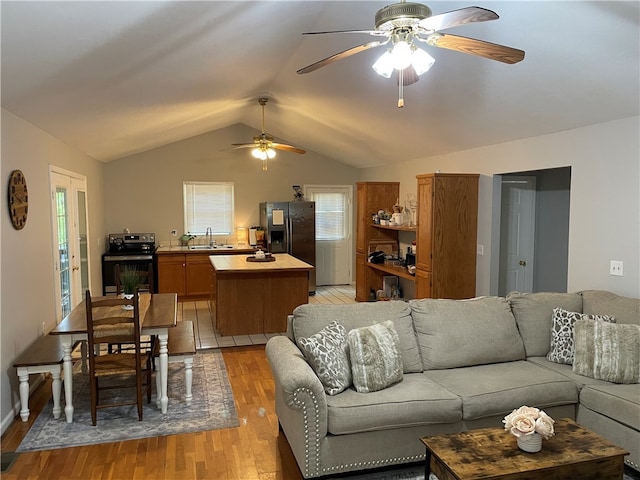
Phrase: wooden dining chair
pixel 145 283
pixel 109 323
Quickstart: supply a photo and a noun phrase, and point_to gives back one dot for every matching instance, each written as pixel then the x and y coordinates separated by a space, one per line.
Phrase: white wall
pixel 604 220
pixel 27 297
pixel 144 191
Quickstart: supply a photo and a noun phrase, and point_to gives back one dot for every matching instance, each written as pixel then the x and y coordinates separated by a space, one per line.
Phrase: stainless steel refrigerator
pixel 290 227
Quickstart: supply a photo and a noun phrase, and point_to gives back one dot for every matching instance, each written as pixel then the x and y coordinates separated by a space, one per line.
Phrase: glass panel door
pixel 70 239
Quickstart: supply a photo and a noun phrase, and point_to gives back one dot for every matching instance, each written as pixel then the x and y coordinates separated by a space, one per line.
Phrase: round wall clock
pixel 18 199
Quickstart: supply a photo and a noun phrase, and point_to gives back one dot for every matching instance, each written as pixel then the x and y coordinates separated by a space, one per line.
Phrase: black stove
pixel 126 249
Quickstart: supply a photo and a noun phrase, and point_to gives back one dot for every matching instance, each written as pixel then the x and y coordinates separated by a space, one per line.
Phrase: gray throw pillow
pixel 328 354
pixel 562 348
pixel 607 351
pixel 376 361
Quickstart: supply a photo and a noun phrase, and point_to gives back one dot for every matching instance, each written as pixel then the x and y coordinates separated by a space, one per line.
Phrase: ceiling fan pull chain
pixel 400 88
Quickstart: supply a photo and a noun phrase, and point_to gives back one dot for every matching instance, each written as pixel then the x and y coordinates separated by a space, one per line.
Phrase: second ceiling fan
pixel 263 145
pixel 403 23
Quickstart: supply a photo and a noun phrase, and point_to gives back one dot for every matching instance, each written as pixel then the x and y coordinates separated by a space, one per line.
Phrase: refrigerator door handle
pixel 289 241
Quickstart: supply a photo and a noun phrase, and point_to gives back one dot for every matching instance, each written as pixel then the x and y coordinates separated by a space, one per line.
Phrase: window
pixel 330 215
pixel 208 204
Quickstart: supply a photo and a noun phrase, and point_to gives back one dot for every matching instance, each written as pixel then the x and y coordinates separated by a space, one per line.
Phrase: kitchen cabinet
pixel 171 268
pixel 187 274
pixel 446 236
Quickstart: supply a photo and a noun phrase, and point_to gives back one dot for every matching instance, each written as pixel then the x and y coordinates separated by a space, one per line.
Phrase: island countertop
pixel 239 263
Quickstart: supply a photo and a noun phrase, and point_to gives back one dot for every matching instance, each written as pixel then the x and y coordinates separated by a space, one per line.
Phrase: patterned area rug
pixel 212 408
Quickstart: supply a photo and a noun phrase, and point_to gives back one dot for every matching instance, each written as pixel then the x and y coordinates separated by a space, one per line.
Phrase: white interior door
pixel 333 232
pixel 517 234
pixel 69 230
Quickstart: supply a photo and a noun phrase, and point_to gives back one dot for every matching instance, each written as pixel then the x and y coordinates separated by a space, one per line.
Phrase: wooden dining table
pixel 158 313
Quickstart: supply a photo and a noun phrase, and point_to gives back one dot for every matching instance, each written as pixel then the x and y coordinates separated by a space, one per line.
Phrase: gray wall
pixel 27 293
pixel 152 181
pixel 604 217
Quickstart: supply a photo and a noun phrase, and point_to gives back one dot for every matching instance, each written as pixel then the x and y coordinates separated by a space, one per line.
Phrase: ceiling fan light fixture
pixel 421 60
pixel 384 65
pixel 262 153
pixel 402 55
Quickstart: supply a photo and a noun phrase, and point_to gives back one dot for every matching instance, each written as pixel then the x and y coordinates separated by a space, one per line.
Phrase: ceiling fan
pixel 405 22
pixel 263 145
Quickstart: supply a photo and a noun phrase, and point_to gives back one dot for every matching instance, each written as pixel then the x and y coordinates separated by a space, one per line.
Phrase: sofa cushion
pixel 618 402
pixel 308 319
pixel 460 333
pixel 488 390
pixel 625 309
pixel 414 401
pixel 567 371
pixel 561 350
pixel 533 312
pixel 375 356
pixel 607 351
pixel 327 351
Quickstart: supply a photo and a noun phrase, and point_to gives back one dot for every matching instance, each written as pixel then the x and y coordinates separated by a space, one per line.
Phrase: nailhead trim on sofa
pixel 307 436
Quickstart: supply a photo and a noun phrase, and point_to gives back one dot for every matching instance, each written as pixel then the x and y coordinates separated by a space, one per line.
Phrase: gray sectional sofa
pixel 465 365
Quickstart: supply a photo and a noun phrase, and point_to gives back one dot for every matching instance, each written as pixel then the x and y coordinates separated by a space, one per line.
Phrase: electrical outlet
pixel 480 249
pixel 615 268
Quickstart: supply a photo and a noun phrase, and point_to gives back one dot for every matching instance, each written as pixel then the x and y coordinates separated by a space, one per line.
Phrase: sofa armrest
pixel 297 386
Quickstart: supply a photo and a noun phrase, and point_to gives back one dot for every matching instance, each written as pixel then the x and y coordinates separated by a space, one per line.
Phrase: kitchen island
pixel 256 297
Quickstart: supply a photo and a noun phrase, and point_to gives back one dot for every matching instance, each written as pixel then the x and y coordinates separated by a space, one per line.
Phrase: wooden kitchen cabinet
pixel 446 237
pixel 187 274
pixel 198 275
pixel 171 268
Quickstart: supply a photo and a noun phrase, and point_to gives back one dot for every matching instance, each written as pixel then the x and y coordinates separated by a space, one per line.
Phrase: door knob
pixel 75 268
pixel 522 263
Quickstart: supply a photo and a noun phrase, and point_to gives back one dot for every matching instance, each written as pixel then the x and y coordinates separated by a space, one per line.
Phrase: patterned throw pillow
pixel 376 361
pixel 562 334
pixel 328 354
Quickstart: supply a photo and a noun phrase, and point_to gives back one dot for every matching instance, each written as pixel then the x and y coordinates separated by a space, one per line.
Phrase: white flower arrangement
pixel 527 421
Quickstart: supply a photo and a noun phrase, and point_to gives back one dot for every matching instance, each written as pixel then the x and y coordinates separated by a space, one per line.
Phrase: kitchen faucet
pixel 209 236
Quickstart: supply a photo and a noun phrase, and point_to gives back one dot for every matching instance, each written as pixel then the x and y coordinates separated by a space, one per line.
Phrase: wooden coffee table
pixel 491 453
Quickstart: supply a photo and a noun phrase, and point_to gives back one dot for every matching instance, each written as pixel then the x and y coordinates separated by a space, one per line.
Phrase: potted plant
pixel 129 279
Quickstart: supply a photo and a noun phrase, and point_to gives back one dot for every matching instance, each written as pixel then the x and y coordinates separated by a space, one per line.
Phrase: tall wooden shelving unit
pixel 445 236
pixel 447 218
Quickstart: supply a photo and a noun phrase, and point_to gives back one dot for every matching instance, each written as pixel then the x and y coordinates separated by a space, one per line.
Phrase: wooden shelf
pixel 393 270
pixel 400 228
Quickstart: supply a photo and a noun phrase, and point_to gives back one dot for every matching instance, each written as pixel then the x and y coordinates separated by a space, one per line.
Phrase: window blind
pixel 208 204
pixel 330 216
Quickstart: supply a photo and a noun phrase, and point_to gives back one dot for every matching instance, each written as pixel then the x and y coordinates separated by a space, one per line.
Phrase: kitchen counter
pixel 221 250
pixel 256 297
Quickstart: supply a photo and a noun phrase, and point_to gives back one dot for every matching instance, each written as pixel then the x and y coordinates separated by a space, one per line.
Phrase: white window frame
pixel 220 218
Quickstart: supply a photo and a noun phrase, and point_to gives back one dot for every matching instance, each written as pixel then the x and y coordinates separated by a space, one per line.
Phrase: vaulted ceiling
pixel 116 78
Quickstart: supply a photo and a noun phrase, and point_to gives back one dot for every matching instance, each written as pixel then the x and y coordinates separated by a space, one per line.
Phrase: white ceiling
pixel 116 78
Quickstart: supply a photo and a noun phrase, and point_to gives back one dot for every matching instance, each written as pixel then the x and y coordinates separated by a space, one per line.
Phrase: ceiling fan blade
pixel 242 145
pixel 370 32
pixel 339 56
pixel 288 148
pixel 409 76
pixel 492 51
pixel 456 18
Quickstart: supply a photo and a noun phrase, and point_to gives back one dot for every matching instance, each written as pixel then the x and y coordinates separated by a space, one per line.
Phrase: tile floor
pixel 207 337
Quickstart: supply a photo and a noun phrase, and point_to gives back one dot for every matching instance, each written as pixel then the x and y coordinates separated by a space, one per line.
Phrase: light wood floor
pixel 253 451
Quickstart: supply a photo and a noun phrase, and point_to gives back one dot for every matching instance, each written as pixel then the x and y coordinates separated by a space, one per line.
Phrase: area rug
pixel 212 408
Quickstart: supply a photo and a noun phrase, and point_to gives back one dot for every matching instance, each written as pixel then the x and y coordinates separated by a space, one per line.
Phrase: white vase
pixel 128 296
pixel 530 443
